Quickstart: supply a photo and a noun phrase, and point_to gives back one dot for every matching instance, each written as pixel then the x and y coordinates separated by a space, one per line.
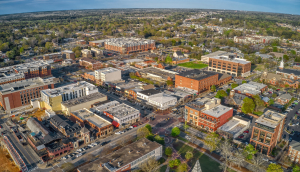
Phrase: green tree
pixel 233 85
pixel 211 141
pixel 249 151
pixel 296 168
pixel 248 105
pixel 293 52
pixel 274 95
pixel 168 151
pixel 213 88
pixel 271 102
pixel 244 82
pixel 143 132
pixel 174 163
pixel 159 140
pixel 21 50
pixel 169 82
pixel 286 85
pixel 274 168
pixel 175 132
pixel 286 57
pixel 48 45
pixel 275 49
pixel 77 53
pixel 182 168
pixel 258 102
pixel 148 127
pixel 188 155
pixel 168 59
pixel 221 94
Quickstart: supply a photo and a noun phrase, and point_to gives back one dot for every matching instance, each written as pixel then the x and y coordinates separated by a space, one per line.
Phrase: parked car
pixel 241 136
pixel 104 143
pixel 246 131
pixel 78 155
pixel 290 139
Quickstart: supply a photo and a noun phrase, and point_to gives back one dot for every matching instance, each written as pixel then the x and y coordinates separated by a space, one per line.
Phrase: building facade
pixel 129 45
pixel 107 75
pixel 91 64
pixel 267 131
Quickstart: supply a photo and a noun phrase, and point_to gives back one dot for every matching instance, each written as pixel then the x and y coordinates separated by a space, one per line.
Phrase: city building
pixel 82 102
pixel 17 94
pixel 157 74
pixel 8 78
pixel 205 58
pixel 230 65
pixel 53 98
pixel 199 80
pixel 98 43
pixel 123 114
pixel 129 45
pixel 107 75
pixel 128 158
pixel 86 53
pixel 98 126
pixel 294 151
pixel 254 39
pixel 162 101
pixel 91 64
pixel 68 54
pixel 146 94
pixel 251 88
pixel 284 98
pixel 235 127
pixel 267 131
pixel 207 113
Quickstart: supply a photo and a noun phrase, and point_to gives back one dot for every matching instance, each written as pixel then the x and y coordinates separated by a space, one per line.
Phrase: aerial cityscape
pixel 144 88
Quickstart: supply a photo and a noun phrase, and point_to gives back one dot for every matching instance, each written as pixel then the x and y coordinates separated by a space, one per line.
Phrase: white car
pixel 78 150
pixel 118 132
pixel 91 145
pixel 187 137
pixel 78 155
pixel 131 127
pixel 64 157
pixel 94 144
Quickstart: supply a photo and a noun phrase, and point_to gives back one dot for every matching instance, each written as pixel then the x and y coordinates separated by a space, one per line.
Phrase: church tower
pixel 281 66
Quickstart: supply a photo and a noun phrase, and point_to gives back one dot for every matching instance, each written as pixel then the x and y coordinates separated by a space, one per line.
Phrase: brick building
pixel 4 78
pixel 18 94
pixel 267 131
pixel 207 113
pixel 129 45
pixel 68 54
pixel 254 39
pixel 251 88
pixel 199 80
pixel 128 158
pixel 284 98
pixel 33 69
pixel 100 125
pixel 230 65
pixel 89 76
pixel 294 151
pixel 91 64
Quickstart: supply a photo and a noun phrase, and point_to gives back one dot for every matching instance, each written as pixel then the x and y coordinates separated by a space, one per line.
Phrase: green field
pixel 207 164
pixel 193 65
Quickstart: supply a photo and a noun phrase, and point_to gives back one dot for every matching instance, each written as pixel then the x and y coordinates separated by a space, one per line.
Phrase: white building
pixel 108 74
pixel 162 101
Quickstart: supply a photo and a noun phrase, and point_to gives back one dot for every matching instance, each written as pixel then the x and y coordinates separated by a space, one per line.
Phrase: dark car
pixel 104 143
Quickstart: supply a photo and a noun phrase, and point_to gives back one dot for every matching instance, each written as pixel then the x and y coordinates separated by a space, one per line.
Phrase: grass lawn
pixel 207 164
pixel 183 139
pixel 258 113
pixel 258 67
pixel 163 168
pixel 193 65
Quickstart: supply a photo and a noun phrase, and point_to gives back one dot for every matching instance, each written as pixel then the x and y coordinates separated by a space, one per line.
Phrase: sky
pixel 277 6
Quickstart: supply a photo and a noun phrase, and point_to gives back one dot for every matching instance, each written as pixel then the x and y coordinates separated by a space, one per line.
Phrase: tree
pixel 213 88
pixel 249 151
pixel 258 102
pixel 248 105
pixel 21 50
pixel 286 85
pixel 175 132
pixel 168 151
pixel 77 53
pixel 271 102
pixel 48 45
pixel 221 94
pixel 274 168
pixel 150 166
pixel 233 85
pixel 275 49
pixel 169 82
pixel 211 141
pixel 244 82
pixel 148 127
pixel 174 163
pixel 225 149
pixel 168 59
pixel 159 139
pixel 274 95
pixel 188 155
pixel 67 166
pixel 286 57
pixel 257 162
pixel 296 168
pixel 142 132
pixel 182 168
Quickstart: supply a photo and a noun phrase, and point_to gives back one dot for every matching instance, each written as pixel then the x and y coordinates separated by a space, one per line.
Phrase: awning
pixel 116 124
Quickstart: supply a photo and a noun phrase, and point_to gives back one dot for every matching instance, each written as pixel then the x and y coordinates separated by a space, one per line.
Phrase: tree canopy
pixel 221 94
pixel 248 105
pixel 175 132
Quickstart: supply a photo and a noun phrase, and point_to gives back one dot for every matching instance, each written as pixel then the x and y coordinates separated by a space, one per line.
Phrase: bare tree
pixel 122 142
pixel 225 150
pixel 106 150
pixel 150 165
pixel 90 157
pixel 257 162
pixel 237 159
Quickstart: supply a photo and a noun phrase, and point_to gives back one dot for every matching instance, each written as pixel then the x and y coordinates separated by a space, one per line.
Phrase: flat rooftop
pixel 149 92
pixel 121 110
pixel 231 59
pixel 67 88
pixel 235 125
pixel 128 42
pixel 103 107
pixel 83 99
pixel 197 74
pixel 23 85
pixel 127 85
pixel 270 119
pixel 217 111
pixel 107 70
pixel 163 73
pixel 250 87
pixel 85 114
pixel 124 156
